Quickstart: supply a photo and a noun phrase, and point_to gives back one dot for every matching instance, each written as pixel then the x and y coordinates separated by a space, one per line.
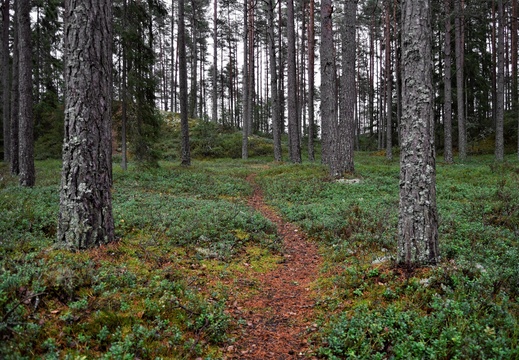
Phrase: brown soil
pixel 278 318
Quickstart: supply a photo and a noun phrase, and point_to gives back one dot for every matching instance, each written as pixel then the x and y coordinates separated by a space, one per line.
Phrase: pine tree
pixel 182 67
pixel 418 218
pixel 293 131
pixel 85 196
pixel 5 82
pixel 26 122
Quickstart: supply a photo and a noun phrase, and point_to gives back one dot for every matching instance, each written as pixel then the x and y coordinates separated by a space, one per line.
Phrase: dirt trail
pixel 279 318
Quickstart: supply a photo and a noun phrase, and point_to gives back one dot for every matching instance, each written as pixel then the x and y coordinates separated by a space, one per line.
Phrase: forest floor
pixel 279 315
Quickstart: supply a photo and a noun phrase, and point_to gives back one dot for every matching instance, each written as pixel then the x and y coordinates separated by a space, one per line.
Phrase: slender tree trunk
pixel 293 133
pixel 186 153
pixel 246 112
pixel 515 80
pixel 447 104
pixel 513 58
pixel 389 86
pixel 418 218
pixel 215 64
pixel 26 135
pixel 276 129
pixel 328 84
pixel 85 218
pixel 311 82
pixel 251 77
pixel 302 71
pixel 281 71
pixel 398 71
pixel 124 112
pixel 173 62
pixel 346 139
pixel 15 104
pixel 462 133
pixel 499 145
pixel 493 51
pixel 5 82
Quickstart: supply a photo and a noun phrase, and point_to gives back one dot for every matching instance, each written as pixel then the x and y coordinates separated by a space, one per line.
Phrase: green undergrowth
pixel 148 295
pixel 186 235
pixel 464 308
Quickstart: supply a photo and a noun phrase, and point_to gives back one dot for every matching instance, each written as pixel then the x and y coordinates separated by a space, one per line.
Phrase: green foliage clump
pixel 210 141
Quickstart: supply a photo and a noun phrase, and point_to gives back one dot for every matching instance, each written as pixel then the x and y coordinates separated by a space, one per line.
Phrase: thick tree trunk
pixel 462 132
pixel 311 81
pixel 500 89
pixel 85 197
pixel 328 84
pixel 5 82
pixel 346 140
pixel 418 219
pixel 276 129
pixel 182 69
pixel 26 122
pixel 293 132
pixel 447 104
pixel 15 105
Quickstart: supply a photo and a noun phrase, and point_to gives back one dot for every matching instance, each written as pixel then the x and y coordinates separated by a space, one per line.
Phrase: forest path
pixel 279 315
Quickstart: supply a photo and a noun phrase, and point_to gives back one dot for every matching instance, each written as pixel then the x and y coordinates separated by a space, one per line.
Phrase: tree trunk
pixel 124 112
pixel 173 62
pixel 389 86
pixel 215 64
pixel 85 218
pixel 462 133
pixel 15 104
pixel 26 121
pixel 328 84
pixel 346 140
pixel 5 82
pixel 418 219
pixel 246 112
pixel 311 81
pixel 182 69
pixel 276 129
pixel 447 104
pixel 293 132
pixel 500 89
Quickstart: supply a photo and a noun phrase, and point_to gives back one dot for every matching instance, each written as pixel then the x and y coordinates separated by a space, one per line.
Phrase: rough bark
pixel 447 104
pixel 15 105
pixel 328 82
pixel 124 110
pixel 276 128
pixel 418 219
pixel 500 84
pixel 27 175
pixel 462 133
pixel 293 131
pixel 182 70
pixel 346 140
pixel 85 218
pixel 311 81
pixel 5 82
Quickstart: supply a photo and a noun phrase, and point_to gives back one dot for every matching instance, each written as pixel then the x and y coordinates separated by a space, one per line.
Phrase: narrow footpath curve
pixel 279 319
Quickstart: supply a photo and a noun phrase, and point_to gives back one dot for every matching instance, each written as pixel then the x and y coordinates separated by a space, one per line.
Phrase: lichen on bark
pixel 418 219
